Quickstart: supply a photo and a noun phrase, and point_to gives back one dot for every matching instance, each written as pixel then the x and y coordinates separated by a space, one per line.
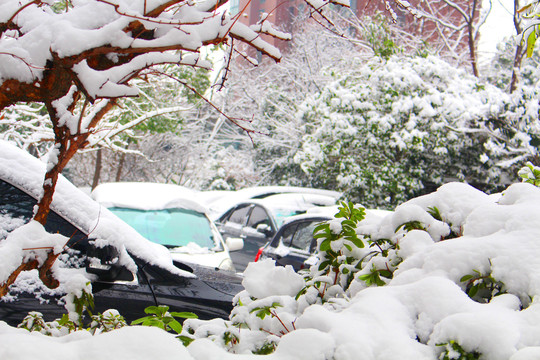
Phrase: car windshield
pixel 281 214
pixel 169 227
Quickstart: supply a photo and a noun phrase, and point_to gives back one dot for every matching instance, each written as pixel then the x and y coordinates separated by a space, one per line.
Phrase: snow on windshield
pixel 147 196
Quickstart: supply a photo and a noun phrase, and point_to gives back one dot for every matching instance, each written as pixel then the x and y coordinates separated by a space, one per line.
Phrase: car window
pixel 280 215
pixel 170 227
pixel 303 236
pixel 258 216
pixel 239 215
pixel 16 208
pixel 286 236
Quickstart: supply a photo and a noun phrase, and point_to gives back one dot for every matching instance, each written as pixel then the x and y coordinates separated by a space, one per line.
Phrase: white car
pixel 172 216
pixel 256 221
pixel 220 201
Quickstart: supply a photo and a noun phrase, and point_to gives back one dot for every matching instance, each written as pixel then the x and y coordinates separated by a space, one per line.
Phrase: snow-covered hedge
pixel 462 280
pixel 388 128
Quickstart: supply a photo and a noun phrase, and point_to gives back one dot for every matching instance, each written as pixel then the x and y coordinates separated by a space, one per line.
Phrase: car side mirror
pixel 265 229
pixel 234 244
pixel 104 262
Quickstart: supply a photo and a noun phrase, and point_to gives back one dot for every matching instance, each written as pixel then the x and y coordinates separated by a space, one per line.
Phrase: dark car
pixel 294 244
pixel 256 221
pixel 141 273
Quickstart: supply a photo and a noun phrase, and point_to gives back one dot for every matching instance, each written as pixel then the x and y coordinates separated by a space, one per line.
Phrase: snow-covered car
pixel 294 243
pixel 256 221
pixel 218 202
pixel 128 272
pixel 172 216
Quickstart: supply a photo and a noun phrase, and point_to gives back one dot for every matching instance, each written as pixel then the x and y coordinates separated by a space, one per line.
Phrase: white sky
pixel 498 26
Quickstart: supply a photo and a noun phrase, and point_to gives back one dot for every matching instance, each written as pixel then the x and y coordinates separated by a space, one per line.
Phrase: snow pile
pixel 422 312
pixel 425 306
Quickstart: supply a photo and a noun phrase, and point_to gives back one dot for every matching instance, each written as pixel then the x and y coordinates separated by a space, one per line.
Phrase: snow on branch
pixel 100 45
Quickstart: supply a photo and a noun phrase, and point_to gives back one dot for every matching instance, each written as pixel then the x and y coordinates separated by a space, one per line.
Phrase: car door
pixel 294 244
pixel 231 224
pixel 209 295
pixel 302 245
pixel 256 232
pixel 127 292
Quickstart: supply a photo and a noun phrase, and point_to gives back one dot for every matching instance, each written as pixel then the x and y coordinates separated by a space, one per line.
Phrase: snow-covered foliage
pixel 465 280
pixel 392 127
pixel 466 284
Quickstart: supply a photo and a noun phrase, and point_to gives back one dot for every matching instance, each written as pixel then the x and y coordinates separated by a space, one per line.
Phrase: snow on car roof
pixel 223 203
pixel 26 172
pixel 294 200
pixel 147 196
pixel 328 212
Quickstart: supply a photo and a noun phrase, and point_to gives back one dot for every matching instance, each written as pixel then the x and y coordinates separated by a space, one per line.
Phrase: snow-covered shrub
pixel 530 174
pixel 82 303
pixel 442 244
pixel 393 127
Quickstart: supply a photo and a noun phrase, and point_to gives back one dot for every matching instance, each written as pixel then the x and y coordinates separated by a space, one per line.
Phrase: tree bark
pixel 472 45
pixel 520 51
pixel 97 170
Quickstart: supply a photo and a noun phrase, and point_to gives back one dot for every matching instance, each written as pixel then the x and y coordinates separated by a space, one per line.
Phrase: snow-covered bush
pixel 392 128
pixel 426 309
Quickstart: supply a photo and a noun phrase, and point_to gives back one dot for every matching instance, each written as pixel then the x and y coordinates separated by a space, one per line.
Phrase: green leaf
pixel 531 40
pixel 473 290
pixel 324 264
pixel 185 340
pixel 325 245
pixel 386 273
pixel 357 242
pixel 466 278
pixel 184 314
pixel 176 326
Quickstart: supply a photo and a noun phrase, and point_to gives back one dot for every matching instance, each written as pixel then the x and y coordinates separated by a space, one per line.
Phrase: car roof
pixel 289 202
pixel 147 196
pixel 26 172
pixel 221 204
pixel 328 213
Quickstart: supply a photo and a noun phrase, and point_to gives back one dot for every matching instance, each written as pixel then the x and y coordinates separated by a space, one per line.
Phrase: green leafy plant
pixel 266 349
pixel 530 174
pixel 105 322
pixel 159 316
pixel 34 322
pixel 270 310
pixel 336 265
pixel 482 287
pixel 454 351
pixel 411 225
pixel 374 276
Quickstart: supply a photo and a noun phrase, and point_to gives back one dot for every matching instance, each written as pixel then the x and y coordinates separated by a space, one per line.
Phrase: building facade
pixel 453 35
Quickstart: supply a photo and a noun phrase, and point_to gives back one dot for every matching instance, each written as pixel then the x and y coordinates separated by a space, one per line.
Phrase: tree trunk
pixel 120 167
pixel 472 45
pixel 97 170
pixel 520 51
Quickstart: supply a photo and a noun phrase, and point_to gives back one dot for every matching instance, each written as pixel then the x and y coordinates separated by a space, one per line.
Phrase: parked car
pixel 256 221
pixel 218 202
pixel 294 244
pixel 172 216
pixel 128 273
